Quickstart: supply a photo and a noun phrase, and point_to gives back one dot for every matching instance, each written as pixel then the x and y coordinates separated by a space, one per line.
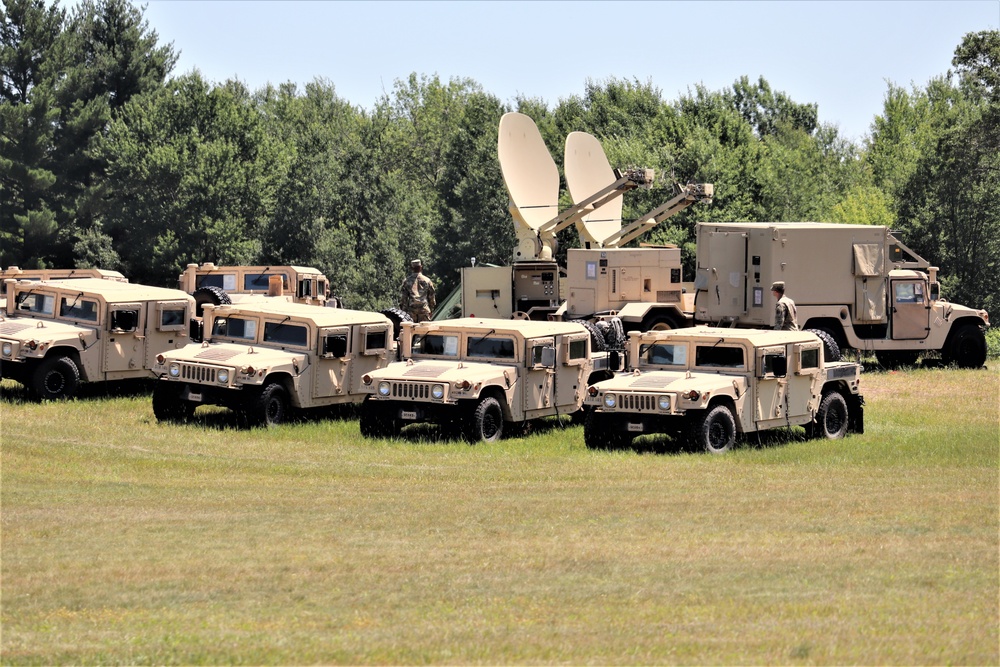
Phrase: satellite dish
pixel 587 172
pixel 531 177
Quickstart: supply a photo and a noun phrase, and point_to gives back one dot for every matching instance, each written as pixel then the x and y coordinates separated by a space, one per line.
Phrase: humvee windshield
pixel 78 309
pixel 664 354
pixel 715 356
pixel 490 348
pixel 285 333
pixel 436 344
pixel 236 328
pixel 42 304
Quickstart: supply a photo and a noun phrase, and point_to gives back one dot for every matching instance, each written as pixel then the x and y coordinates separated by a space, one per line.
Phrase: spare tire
pixel 209 294
pixel 831 351
pixel 596 337
pixel 397 317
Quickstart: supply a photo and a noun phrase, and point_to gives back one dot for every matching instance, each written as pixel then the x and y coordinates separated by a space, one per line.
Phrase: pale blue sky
pixel 839 55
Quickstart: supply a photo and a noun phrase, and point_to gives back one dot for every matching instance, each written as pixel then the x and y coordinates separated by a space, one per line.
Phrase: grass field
pixel 125 541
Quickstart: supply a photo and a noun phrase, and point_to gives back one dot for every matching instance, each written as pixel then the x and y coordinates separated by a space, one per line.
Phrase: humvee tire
pixel 831 351
pixel 55 378
pixel 596 337
pixel 270 407
pixel 485 423
pixel 168 404
pixel 890 359
pixel 209 294
pixel 660 322
pixel 966 348
pixel 832 417
pixel 713 430
pixel 375 422
pixel 396 316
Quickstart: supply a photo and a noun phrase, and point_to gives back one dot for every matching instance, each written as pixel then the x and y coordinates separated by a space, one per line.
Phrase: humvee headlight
pixel 175 370
pixel 437 391
pixel 663 402
pixel 383 388
pixel 8 349
pixel 610 400
pixel 223 376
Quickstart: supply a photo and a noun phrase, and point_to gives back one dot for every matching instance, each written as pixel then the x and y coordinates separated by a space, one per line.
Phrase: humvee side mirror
pixel 549 357
pixel 124 320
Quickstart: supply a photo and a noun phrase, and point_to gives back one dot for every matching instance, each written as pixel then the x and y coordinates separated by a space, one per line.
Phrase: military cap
pixel 415 262
pixel 778 286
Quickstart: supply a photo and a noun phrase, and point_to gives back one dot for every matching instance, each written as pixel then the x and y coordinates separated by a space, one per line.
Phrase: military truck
pixel 18 273
pixel 219 285
pixel 56 334
pixel 264 359
pixel 707 386
pixel 482 377
pixel 858 285
pixel 641 286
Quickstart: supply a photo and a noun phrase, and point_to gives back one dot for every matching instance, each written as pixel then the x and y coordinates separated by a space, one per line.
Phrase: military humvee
pixel 18 273
pixel 858 286
pixel 478 376
pixel 708 385
pixel 262 359
pixel 220 285
pixel 56 334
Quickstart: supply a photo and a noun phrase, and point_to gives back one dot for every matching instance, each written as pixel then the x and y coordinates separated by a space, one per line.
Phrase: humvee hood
pixel 672 381
pixel 443 371
pixel 230 354
pixel 52 330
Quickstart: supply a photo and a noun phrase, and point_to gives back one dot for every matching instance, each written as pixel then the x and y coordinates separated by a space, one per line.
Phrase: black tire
pixel 832 417
pixel 485 423
pixel 375 421
pixel 270 407
pixel 596 337
pixel 614 334
pixel 596 435
pixel 831 351
pixel 661 322
pixel 397 317
pixel 168 405
pixel 55 378
pixel 209 294
pixel 890 359
pixel 966 348
pixel 713 430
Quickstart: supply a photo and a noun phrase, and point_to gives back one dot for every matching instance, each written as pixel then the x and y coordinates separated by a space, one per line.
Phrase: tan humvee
pixel 858 286
pixel 56 334
pixel 221 285
pixel 478 375
pixel 708 385
pixel 56 274
pixel 262 359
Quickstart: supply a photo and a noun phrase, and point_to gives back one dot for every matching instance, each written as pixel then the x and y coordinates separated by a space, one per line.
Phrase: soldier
pixel 417 293
pixel 784 309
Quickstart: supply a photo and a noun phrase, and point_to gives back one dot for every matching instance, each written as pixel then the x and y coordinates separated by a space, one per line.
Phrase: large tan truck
pixel 707 386
pixel 264 359
pixel 56 334
pixel 219 285
pixel 483 377
pixel 858 285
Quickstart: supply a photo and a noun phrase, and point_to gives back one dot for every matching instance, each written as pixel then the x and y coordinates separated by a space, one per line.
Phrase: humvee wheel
pixel 714 430
pixel 832 417
pixel 168 404
pixel 271 406
pixel 55 378
pixel 967 347
pixel 209 294
pixel 831 351
pixel 397 317
pixel 375 422
pixel 660 322
pixel 485 423
pixel 596 336
pixel 890 359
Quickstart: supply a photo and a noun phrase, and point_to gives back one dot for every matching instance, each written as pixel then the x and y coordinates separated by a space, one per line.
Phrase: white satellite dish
pixel 588 171
pixel 532 181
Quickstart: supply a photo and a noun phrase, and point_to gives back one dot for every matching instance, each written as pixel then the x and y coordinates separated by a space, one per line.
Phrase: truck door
pixel 125 348
pixel 572 371
pixel 910 309
pixel 802 379
pixel 725 268
pixel 333 360
pixel 537 385
pixel 770 408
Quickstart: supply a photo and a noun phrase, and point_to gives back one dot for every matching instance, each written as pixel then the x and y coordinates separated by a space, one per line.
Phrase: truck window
pixel 78 309
pixel 577 349
pixel 335 345
pixel 257 282
pixel 375 341
pixel 436 344
pixel 171 318
pixel 221 280
pixel 285 333
pixel 490 348
pixel 41 304
pixel 810 358
pixel 909 293
pixel 305 288
pixel 719 357
pixel 662 354
pixel 124 320
pixel 235 327
pixel 775 365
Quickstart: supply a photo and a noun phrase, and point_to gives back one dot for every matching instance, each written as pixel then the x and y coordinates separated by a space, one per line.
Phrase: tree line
pixel 108 159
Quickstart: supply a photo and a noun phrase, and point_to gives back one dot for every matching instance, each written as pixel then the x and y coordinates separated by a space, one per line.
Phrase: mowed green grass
pixel 128 541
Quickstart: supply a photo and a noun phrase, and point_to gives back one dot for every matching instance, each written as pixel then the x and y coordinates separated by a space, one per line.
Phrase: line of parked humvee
pixel 267 356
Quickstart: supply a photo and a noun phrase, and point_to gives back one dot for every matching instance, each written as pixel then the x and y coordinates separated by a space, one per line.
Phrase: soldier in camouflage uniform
pixel 784 309
pixel 417 293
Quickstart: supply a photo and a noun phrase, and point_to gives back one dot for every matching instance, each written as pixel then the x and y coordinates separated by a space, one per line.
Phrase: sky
pixel 840 55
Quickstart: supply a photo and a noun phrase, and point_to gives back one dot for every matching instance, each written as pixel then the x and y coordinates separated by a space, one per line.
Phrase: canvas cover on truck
pixel 870 284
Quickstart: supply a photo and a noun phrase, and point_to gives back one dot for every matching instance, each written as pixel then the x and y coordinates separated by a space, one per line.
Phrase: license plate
pixel 408 414
pixel 189 395
pixel 635 427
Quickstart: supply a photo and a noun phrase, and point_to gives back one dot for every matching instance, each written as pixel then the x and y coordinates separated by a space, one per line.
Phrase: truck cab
pixel 55 334
pixel 482 377
pixel 264 359
pixel 708 385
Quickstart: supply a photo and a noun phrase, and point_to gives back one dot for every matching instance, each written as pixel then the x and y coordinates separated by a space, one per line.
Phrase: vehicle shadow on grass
pixel 452 432
pixel 223 419
pixel 16 394
pixel 663 444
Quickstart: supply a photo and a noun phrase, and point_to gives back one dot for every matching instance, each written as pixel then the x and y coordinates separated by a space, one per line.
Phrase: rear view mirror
pixel 549 357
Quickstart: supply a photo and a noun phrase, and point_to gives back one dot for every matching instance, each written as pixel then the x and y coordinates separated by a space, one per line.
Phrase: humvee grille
pixel 410 390
pixel 636 402
pixel 198 373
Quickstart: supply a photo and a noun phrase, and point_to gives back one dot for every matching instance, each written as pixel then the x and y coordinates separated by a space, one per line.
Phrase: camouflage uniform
pixel 417 295
pixel 784 310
